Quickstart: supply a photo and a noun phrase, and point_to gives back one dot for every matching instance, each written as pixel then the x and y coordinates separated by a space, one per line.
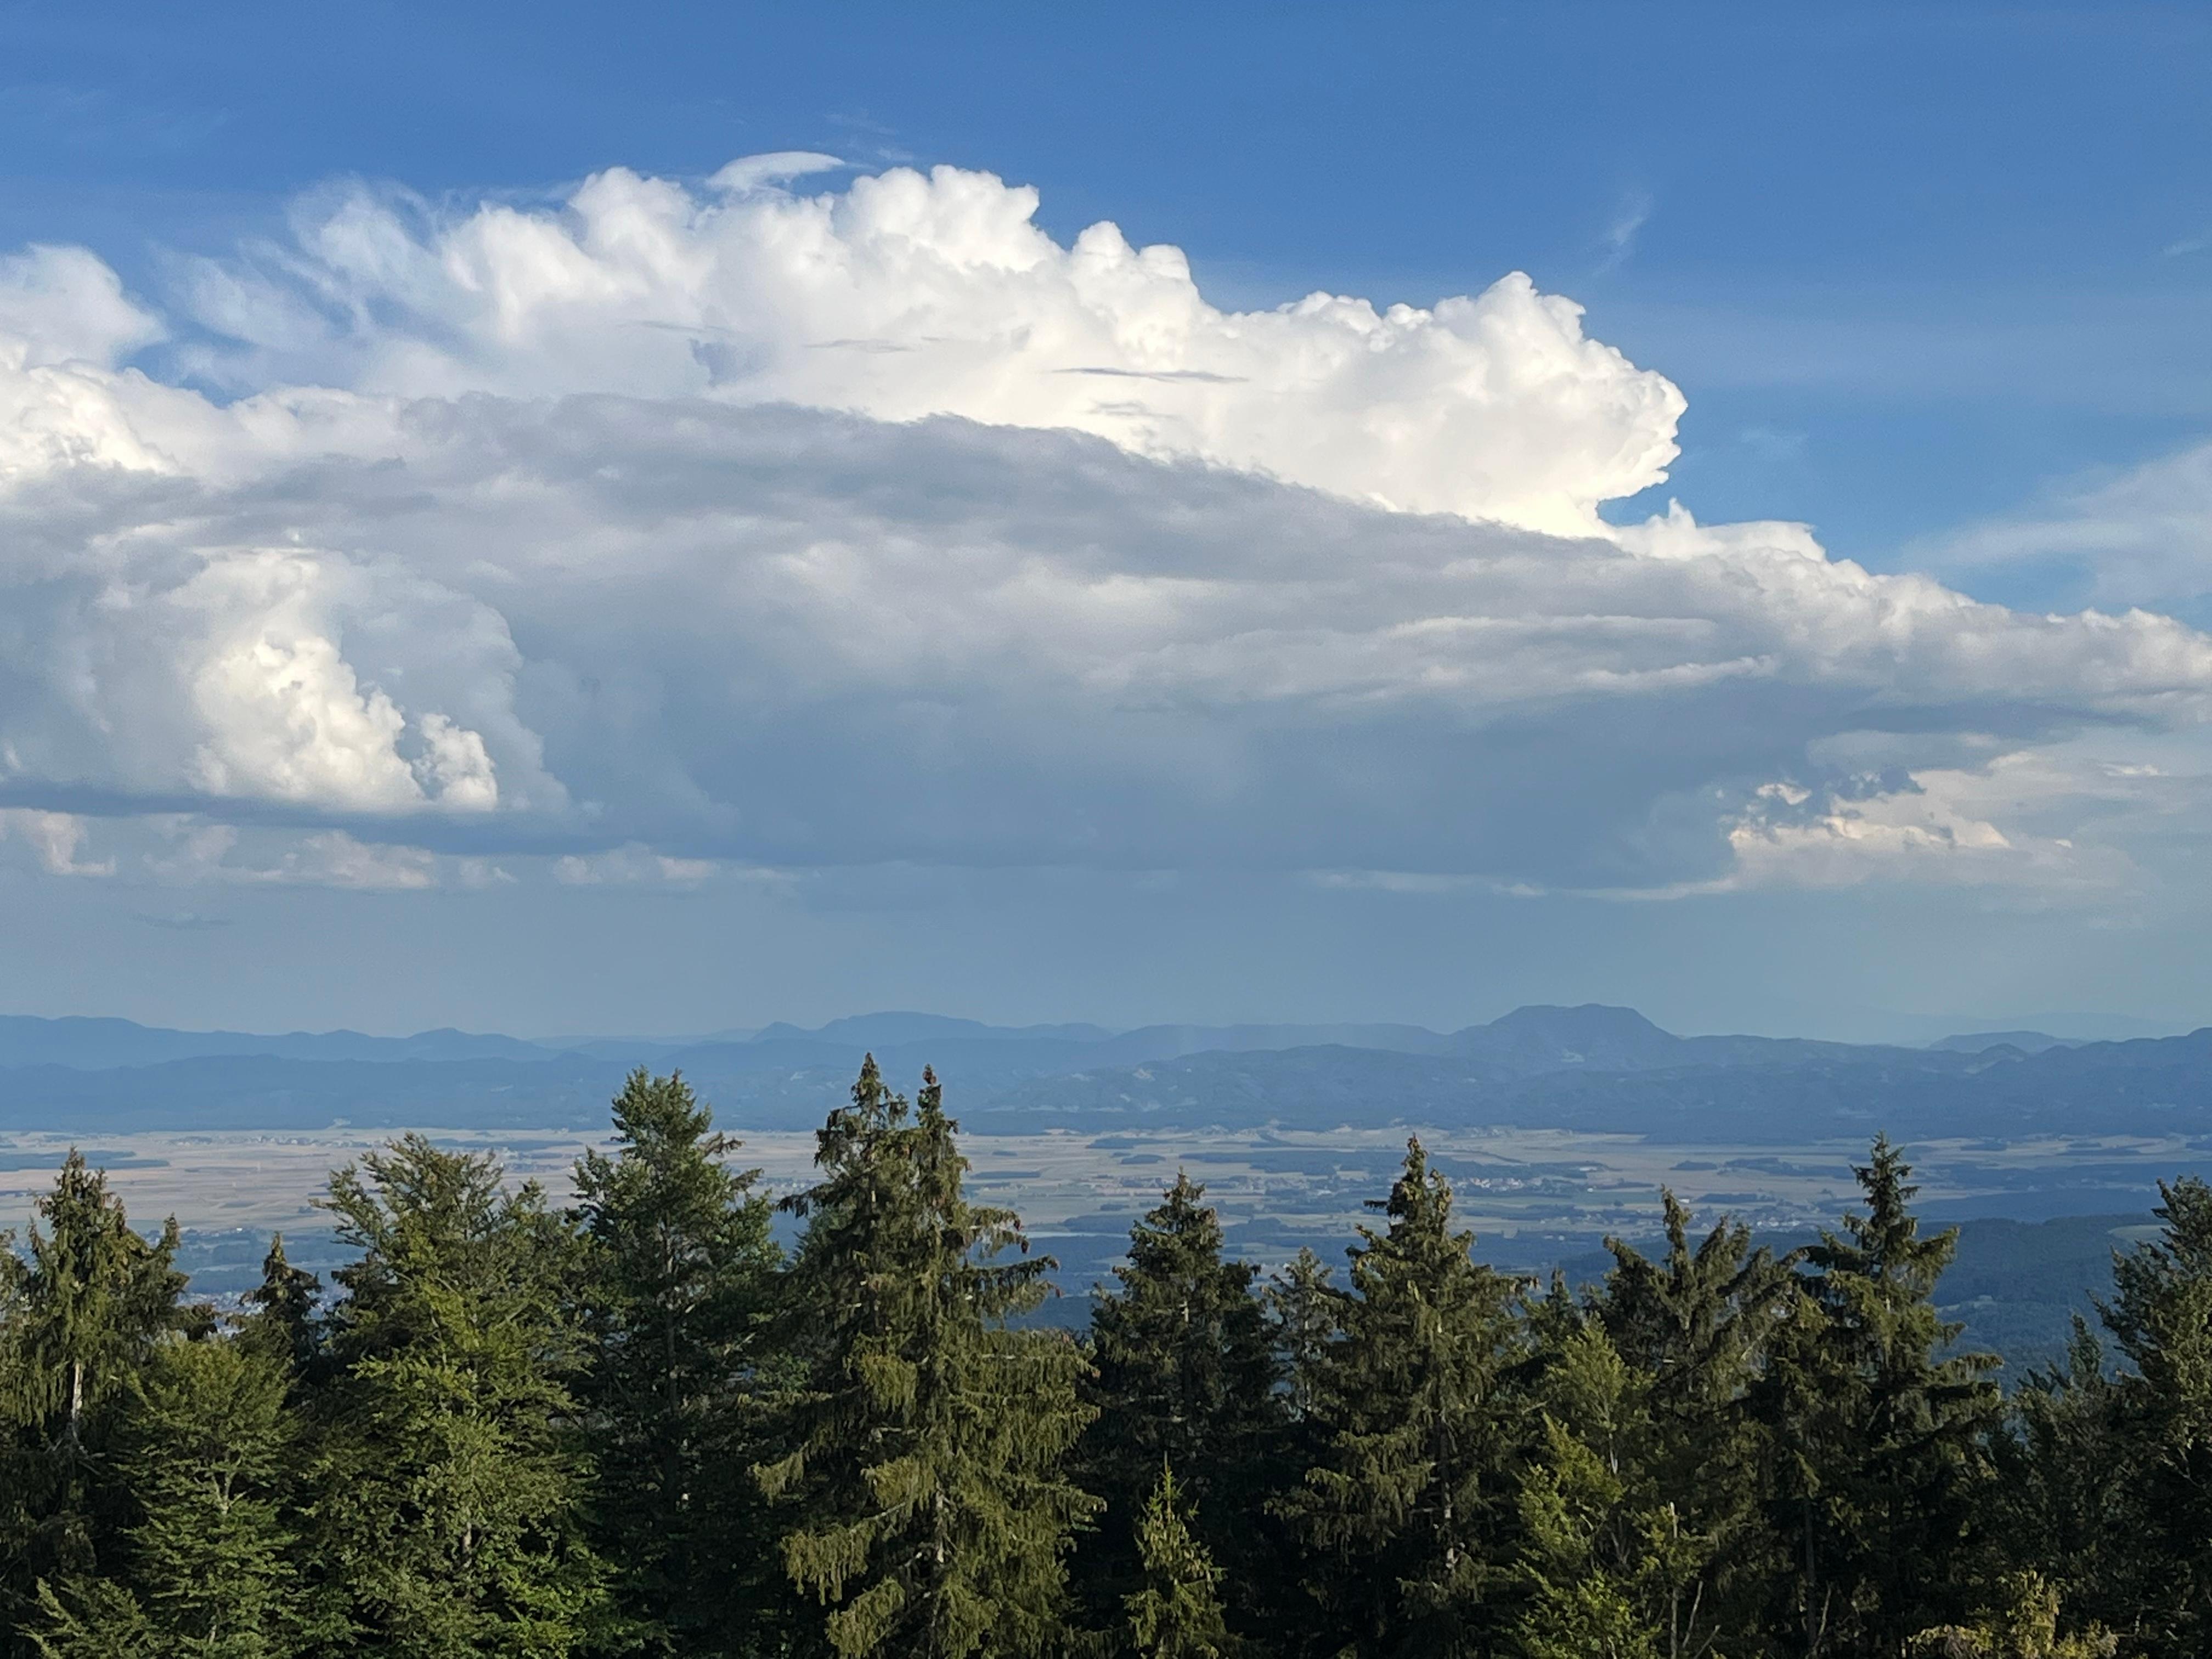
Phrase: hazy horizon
pixel 1907 1031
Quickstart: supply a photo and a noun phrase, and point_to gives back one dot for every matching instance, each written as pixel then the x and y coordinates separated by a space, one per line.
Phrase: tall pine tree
pixel 1175 1613
pixel 1404 1513
pixel 1186 1374
pixel 679 1273
pixel 2159 1420
pixel 80 1314
pixel 931 1509
pixel 286 1304
pixel 449 1497
pixel 1695 1323
pixel 1304 1320
pixel 1877 1441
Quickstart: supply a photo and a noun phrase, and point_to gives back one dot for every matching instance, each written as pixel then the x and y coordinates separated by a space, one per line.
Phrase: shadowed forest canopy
pixel 636 1426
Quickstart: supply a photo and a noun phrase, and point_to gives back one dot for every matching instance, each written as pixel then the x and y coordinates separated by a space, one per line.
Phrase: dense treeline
pixel 635 1426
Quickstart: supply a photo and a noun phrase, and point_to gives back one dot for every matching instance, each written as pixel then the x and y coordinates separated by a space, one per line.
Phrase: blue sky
pixel 1912 263
pixel 1937 281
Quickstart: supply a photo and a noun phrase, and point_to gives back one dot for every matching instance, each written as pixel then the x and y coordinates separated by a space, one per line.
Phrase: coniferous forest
pixel 637 1426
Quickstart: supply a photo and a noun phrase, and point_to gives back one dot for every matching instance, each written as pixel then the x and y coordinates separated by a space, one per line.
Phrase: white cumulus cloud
pixel 662 531
pixel 152 657
pixel 58 839
pixel 913 294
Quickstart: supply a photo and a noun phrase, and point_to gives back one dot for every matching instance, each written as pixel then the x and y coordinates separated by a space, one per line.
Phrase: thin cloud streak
pixel 1620 242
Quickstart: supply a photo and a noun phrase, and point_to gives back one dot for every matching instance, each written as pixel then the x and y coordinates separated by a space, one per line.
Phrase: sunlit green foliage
pixel 1176 1612
pixel 448 1492
pixel 925 1481
pixel 208 1568
pixel 82 1312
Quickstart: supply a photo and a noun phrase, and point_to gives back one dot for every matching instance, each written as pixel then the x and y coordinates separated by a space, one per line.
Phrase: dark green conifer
pixel 284 1306
pixel 1303 1312
pixel 2069 1500
pixel 1176 1614
pixel 2150 1569
pixel 931 1510
pixel 81 1313
pixel 1303 1309
pixel 1186 1374
pixel 1609 1566
pixel 679 1275
pixel 1877 1444
pixel 206 1569
pixel 448 1497
pixel 1403 1516
pixel 1694 1325
pixel 1181 1348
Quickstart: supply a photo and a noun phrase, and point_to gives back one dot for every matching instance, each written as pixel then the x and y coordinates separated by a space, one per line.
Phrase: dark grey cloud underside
pixel 692 693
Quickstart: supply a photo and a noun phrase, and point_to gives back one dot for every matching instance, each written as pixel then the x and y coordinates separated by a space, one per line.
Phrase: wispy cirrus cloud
pixel 2139 535
pixel 1628 221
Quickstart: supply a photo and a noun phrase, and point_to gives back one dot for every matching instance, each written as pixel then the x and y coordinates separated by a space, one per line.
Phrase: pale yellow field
pixel 264 1181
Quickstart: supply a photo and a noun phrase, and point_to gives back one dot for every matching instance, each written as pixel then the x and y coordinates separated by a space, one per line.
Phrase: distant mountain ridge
pixel 899 1029
pixel 2029 1042
pixel 1591 1066
pixel 96 1044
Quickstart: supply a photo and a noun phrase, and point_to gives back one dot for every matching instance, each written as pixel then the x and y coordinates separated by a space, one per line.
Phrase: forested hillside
pixel 638 1426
